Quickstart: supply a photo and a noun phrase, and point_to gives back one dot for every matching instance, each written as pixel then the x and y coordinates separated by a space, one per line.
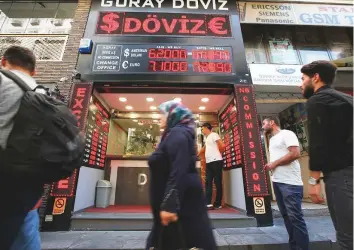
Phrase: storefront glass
pixel 311 44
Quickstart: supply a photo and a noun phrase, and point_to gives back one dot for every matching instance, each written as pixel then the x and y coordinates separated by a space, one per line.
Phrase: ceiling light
pixel 153 108
pixel 205 99
pixel 135 120
pixel 122 99
pixel 129 107
pixel 177 99
pixel 202 108
pixel 133 116
pixel 149 99
pixel 155 116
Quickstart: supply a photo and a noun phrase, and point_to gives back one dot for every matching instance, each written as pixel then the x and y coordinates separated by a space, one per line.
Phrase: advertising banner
pixel 273 74
pixel 300 14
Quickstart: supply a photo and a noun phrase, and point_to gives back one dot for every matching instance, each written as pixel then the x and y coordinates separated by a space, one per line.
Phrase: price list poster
pixel 96 136
pixel 229 129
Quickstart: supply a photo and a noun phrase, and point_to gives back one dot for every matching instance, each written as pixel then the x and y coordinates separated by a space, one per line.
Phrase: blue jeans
pixel 339 191
pixel 28 238
pixel 289 198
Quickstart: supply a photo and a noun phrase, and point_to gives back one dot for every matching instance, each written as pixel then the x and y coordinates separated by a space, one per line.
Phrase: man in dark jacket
pixel 330 127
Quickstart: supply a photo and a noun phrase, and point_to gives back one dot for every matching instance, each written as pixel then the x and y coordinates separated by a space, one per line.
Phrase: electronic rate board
pixel 230 135
pixel 167 59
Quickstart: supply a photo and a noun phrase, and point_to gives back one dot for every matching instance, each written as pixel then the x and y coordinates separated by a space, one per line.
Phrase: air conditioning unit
pixel 58 23
pixel 35 22
pixel 16 23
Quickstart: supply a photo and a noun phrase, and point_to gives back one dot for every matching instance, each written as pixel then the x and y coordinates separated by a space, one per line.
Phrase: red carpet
pixel 144 209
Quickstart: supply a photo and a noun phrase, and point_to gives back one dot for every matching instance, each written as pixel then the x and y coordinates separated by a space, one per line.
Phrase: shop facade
pixel 279 38
pixel 136 55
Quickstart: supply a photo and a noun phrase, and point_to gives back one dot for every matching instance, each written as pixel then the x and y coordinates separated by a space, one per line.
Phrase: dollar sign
pixel 110 20
pixel 126 52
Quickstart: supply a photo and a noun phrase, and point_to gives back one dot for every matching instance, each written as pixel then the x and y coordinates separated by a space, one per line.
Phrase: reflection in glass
pixel 339 42
pixel 281 46
pixel 253 41
pixel 311 45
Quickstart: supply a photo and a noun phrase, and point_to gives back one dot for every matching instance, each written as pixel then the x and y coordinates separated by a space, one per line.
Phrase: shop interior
pixel 133 134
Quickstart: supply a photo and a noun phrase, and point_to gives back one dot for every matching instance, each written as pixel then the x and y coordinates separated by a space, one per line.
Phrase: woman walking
pixel 176 193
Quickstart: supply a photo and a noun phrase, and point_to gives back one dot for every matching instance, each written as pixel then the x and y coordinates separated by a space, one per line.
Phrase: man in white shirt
pixel 213 149
pixel 284 151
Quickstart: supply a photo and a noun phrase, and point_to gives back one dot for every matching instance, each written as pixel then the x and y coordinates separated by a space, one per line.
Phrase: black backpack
pixel 45 143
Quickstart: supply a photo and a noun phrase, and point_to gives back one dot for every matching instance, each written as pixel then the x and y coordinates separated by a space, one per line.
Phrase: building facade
pixel 231 62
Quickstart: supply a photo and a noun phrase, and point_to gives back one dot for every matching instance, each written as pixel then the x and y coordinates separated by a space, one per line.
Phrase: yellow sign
pixel 259 207
pixel 59 206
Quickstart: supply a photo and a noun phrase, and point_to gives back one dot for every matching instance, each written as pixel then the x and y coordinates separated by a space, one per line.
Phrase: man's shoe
pixel 217 207
pixel 210 207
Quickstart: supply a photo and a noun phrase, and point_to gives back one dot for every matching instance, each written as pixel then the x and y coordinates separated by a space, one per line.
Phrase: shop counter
pixel 129 176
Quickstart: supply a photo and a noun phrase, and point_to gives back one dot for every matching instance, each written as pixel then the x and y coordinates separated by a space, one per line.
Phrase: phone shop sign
pixel 298 14
pixel 272 74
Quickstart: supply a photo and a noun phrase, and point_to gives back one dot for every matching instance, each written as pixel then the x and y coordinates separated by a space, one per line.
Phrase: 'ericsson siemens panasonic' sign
pixel 176 4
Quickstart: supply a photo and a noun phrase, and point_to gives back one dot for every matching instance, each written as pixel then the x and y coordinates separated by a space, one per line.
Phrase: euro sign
pixel 111 23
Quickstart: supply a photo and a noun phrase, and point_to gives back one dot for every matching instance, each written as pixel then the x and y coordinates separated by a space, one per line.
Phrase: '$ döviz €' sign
pixel 172 24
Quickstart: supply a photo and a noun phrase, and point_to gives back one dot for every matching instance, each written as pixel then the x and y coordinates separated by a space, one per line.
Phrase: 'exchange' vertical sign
pixel 256 180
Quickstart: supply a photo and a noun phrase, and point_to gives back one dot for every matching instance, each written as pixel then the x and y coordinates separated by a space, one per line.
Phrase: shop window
pixel 339 43
pixel 311 44
pixel 280 45
pixel 29 17
pixel 253 37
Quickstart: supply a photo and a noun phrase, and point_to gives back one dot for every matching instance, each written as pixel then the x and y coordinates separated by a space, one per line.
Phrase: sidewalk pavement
pixel 321 231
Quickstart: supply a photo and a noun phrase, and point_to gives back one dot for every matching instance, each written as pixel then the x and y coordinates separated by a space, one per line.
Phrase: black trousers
pixel 214 174
pixel 339 192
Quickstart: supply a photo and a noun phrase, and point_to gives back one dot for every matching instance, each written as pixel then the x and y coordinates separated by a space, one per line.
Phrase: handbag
pixel 182 239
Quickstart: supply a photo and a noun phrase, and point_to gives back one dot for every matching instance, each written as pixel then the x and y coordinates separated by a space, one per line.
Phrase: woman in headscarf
pixel 176 193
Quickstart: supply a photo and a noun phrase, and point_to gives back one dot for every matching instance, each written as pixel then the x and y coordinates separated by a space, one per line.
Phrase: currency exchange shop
pixel 134 56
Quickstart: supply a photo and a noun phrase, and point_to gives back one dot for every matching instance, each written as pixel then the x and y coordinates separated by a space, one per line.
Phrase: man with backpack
pixel 330 127
pixel 40 142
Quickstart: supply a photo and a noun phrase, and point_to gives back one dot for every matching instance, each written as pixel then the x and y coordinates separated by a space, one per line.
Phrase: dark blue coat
pixel 175 186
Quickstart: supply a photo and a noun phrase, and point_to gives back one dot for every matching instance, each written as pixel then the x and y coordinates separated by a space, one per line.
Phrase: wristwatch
pixel 313 181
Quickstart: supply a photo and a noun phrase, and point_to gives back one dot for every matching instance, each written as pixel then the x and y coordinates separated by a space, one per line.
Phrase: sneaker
pixel 210 207
pixel 218 207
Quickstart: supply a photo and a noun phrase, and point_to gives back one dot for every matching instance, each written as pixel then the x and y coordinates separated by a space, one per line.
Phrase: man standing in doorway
pixel 284 151
pixel 213 149
pixel 330 127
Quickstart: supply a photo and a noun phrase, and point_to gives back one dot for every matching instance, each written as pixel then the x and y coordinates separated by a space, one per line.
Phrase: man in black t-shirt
pixel 330 127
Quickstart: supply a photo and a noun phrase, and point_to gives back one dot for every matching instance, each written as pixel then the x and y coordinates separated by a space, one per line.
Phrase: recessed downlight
pixel 149 99
pixel 202 108
pixel 153 108
pixel 205 99
pixel 177 99
pixel 129 107
pixel 122 99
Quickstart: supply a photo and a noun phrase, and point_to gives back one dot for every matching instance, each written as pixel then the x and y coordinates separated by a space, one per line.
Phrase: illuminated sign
pixel 97 130
pixel 81 93
pixel 64 187
pixel 256 180
pixel 176 4
pixel 162 58
pixel 230 135
pixel 163 24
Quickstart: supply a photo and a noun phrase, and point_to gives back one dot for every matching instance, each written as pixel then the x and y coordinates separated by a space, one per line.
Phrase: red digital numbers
pixel 166 66
pixel 211 54
pixel 212 67
pixel 167 54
